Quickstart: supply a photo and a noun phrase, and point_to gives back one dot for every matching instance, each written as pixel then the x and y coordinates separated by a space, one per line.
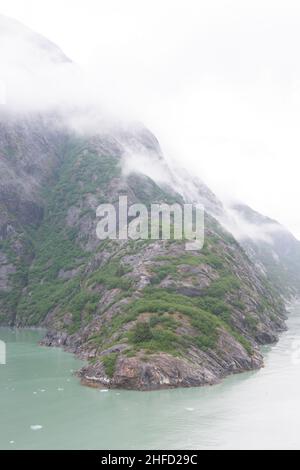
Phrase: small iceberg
pixel 36 427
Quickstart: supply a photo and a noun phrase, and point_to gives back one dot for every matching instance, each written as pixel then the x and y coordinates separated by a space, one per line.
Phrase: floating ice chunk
pixel 60 389
pixel 36 427
pixel 42 390
pixel 11 442
pixel 190 409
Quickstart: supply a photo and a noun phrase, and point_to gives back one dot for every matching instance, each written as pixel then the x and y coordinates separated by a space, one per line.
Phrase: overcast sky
pixel 218 82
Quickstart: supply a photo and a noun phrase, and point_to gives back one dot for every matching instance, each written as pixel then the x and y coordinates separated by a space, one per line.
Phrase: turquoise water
pixel 43 406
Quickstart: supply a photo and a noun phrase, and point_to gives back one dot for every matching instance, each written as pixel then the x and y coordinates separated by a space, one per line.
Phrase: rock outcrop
pixel 144 314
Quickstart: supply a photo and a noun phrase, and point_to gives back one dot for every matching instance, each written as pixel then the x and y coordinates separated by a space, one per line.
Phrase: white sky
pixel 218 82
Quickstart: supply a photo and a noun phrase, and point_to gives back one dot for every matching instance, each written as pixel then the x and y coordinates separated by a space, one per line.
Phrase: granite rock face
pixel 165 371
pixel 205 313
pixel 144 314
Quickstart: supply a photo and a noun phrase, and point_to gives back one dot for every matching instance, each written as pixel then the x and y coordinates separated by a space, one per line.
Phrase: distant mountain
pixel 144 314
pixel 273 249
pixel 15 37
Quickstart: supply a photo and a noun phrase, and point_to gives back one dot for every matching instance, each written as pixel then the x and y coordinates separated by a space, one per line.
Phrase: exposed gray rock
pixel 6 270
pixel 67 275
pixel 208 312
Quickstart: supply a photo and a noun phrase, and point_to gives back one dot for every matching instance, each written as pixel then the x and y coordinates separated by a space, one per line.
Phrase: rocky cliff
pixel 276 252
pixel 145 314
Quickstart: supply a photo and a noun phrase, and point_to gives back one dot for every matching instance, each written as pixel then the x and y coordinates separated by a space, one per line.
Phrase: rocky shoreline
pixel 164 371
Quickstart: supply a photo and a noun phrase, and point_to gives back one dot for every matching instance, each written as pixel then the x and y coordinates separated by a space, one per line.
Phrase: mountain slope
pixel 144 314
pixel 271 247
pixel 274 250
pixel 14 35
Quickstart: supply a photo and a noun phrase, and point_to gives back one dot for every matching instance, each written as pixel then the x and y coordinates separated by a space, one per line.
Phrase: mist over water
pixel 43 406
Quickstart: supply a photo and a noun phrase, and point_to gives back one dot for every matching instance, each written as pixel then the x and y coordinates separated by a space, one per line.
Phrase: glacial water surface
pixel 43 406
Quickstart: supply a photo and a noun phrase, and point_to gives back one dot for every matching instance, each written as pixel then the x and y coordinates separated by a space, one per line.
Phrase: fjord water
pixel 43 406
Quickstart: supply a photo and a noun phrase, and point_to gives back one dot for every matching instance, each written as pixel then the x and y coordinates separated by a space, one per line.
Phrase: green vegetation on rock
pixel 109 362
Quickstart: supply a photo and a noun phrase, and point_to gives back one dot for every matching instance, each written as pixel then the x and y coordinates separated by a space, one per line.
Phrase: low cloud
pixel 242 230
pixel 218 84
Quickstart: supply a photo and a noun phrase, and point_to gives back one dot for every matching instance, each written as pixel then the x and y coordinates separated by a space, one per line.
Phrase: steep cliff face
pixel 29 155
pixel 145 314
pixel 273 249
pixel 35 151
